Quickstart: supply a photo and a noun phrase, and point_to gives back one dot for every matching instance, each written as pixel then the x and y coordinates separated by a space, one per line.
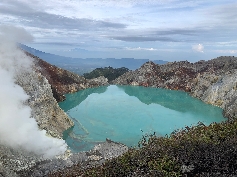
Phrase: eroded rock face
pixel 48 115
pixel 63 81
pixel 59 167
pixel 46 85
pixel 212 81
pixel 43 83
pixel 45 109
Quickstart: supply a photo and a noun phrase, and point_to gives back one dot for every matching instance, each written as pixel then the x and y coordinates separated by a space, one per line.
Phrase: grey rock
pixel 213 81
pixel 45 109
pixel 99 81
pixel 110 149
pixel 49 117
pixel 96 156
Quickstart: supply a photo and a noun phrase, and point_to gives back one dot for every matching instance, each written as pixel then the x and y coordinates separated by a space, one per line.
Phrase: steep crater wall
pixel 213 81
pixel 45 84
pixel 63 81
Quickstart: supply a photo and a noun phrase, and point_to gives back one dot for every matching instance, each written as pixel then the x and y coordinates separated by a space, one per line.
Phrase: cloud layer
pixel 96 25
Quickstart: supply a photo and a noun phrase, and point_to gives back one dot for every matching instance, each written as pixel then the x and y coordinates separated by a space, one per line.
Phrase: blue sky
pixel 168 30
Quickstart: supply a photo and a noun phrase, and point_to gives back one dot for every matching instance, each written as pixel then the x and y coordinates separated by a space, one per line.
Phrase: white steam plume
pixel 17 128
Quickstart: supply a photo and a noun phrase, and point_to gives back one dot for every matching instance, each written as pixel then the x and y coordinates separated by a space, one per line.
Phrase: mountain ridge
pixel 81 66
pixel 212 81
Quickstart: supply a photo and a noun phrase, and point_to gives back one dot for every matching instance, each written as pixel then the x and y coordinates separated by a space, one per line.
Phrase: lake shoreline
pixel 110 112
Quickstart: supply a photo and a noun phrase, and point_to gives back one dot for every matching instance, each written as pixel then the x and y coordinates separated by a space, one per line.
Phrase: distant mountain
pixel 80 66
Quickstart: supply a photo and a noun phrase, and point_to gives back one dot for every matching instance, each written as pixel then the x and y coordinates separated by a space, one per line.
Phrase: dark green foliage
pixel 108 72
pixel 196 151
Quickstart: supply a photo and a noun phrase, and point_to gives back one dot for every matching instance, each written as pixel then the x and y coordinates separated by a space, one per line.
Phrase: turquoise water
pixel 125 113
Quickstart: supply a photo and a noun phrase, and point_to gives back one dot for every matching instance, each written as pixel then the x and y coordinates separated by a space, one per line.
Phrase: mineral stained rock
pixel 45 109
pixel 45 85
pixel 213 81
pixel 63 81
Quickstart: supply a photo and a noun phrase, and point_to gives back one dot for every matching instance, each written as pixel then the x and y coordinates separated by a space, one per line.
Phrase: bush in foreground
pixel 197 151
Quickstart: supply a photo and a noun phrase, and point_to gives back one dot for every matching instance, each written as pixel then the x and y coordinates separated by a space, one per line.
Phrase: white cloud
pixel 105 23
pixel 198 48
pixel 140 48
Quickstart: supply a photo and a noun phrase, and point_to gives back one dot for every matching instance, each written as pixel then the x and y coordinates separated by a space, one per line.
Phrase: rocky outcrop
pixel 63 81
pixel 44 84
pixel 48 115
pixel 212 81
pixel 17 162
pixel 96 82
pixel 13 161
pixel 59 167
pixel 45 109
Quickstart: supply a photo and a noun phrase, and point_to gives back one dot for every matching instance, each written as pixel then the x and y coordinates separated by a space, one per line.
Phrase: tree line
pixel 109 72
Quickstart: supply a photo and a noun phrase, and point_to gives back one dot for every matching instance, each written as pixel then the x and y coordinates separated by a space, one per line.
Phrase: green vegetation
pixel 108 72
pixel 194 151
pixel 197 151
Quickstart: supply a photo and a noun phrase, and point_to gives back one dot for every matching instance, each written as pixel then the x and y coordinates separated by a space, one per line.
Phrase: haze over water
pixel 125 113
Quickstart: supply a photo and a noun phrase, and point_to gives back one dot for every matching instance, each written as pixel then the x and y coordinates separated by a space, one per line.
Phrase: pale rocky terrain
pixel 213 81
pixel 98 155
pixel 44 106
pixel 19 163
pixel 43 85
pixel 63 81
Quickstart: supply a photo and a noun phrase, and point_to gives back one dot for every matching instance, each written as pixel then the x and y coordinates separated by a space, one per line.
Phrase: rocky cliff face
pixel 44 84
pixel 48 115
pixel 45 109
pixel 63 81
pixel 212 81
